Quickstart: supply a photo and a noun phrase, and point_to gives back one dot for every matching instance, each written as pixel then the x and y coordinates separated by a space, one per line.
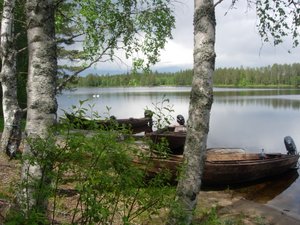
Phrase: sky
pixel 237 42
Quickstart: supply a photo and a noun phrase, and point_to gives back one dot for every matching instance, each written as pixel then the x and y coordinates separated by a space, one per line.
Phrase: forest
pixel 286 75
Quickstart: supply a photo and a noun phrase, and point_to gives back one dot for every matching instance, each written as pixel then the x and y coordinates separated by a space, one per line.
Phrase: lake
pixel 246 118
pixel 253 119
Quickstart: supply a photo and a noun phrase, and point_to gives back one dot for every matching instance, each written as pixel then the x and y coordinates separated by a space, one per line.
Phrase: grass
pixel 215 216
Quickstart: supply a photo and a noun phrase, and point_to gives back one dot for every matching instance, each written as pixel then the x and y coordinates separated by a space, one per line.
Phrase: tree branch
pixel 109 45
pixel 21 50
pixel 218 2
pixel 63 40
pixel 68 79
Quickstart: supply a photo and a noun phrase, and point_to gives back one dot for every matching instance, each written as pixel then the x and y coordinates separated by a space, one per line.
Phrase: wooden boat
pixel 227 166
pixel 175 140
pixel 136 125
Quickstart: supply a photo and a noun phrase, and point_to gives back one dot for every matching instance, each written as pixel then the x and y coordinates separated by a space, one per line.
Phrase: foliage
pixel 182 78
pixel 211 216
pixel 139 29
pixel 278 19
pixel 275 75
pixel 98 168
pixel 162 113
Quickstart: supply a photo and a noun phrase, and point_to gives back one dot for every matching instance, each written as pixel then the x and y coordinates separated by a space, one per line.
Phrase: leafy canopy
pixel 103 27
pixel 278 19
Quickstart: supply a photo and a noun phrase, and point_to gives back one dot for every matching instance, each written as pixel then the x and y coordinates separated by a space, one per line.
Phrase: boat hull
pixel 176 140
pixel 136 125
pixel 244 168
pixel 248 170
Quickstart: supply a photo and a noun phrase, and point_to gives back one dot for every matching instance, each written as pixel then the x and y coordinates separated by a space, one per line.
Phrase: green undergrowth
pixel 214 216
pixel 88 177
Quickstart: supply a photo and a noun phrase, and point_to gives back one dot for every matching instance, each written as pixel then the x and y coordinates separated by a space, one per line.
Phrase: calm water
pixel 248 118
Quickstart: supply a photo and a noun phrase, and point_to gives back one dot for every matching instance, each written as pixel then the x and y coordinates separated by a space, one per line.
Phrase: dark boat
pixel 174 135
pixel 227 166
pixel 175 140
pixel 136 125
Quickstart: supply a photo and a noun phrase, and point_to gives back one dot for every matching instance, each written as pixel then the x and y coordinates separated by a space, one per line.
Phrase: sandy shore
pixel 230 205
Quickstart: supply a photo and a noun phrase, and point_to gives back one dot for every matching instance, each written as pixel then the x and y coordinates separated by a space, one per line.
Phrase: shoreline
pixel 230 204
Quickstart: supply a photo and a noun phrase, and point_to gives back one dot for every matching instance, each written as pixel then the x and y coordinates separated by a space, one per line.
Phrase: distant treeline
pixel 276 75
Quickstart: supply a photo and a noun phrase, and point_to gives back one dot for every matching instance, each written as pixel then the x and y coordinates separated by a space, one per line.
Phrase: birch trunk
pixel 41 96
pixel 201 99
pixel 11 136
pixel 42 70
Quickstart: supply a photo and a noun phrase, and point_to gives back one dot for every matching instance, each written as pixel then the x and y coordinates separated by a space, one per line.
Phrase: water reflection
pixel 289 199
pixel 285 102
pixel 273 98
pixel 253 92
pixel 268 190
pixel 281 192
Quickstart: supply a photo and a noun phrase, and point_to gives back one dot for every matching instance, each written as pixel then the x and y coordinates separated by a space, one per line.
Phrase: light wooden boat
pixel 227 166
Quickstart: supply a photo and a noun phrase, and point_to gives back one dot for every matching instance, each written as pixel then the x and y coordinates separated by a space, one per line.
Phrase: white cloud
pixel 237 40
pixel 176 54
pixel 239 44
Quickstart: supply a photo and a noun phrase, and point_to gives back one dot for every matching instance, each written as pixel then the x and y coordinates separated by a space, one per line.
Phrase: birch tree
pixel 41 99
pixel 277 19
pixel 13 75
pixel 106 26
pixel 11 136
pixel 201 98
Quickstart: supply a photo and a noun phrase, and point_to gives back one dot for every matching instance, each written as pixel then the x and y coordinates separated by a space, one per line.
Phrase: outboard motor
pixel 113 117
pixel 148 113
pixel 180 120
pixel 290 145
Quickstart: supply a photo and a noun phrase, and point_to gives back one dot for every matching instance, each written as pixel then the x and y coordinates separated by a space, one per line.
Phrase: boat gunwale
pixel 281 157
pixel 250 162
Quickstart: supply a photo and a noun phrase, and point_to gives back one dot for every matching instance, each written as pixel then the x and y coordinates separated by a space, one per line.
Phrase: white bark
pixel 199 112
pixel 41 99
pixel 11 136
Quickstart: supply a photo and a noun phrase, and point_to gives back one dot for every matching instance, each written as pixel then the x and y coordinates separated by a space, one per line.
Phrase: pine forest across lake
pixel 269 76
pixel 253 119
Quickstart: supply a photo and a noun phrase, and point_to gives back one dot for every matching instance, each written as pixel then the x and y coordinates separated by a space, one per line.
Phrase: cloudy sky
pixel 237 42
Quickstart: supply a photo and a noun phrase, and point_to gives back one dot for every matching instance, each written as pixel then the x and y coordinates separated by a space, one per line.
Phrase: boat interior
pixel 238 155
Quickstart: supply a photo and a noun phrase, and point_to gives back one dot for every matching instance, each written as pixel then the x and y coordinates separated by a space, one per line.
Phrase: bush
pixel 88 178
